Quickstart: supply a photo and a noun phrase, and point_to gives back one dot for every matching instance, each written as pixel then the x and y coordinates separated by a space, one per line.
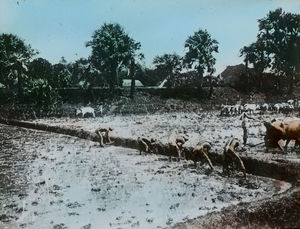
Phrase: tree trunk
pixel 112 81
pixel 261 83
pixel 117 77
pixel 132 88
pixel 291 83
pixel 278 84
pixel 210 88
pixel 90 94
pixel 201 81
pixel 200 73
pixel 132 76
pixel 20 89
pixel 248 82
pixel 247 78
pixel 260 80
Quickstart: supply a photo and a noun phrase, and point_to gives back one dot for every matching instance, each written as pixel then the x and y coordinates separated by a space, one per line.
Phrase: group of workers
pixel 231 159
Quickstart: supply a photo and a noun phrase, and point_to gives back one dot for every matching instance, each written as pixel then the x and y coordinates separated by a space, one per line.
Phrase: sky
pixel 59 28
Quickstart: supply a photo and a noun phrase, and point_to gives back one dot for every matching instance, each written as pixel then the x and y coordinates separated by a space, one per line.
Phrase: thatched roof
pixel 127 83
pixel 232 73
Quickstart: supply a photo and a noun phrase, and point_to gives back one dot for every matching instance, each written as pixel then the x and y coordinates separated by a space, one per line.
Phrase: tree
pixel 43 95
pixel 201 48
pixel 42 85
pixel 82 73
pixel 40 68
pixel 169 64
pixel 149 77
pixel 256 55
pixel 112 49
pixel 61 75
pixel 278 45
pixel 78 69
pixel 281 33
pixel 14 58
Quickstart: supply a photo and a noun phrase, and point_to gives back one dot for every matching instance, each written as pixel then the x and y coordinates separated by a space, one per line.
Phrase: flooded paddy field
pixel 198 126
pixel 56 181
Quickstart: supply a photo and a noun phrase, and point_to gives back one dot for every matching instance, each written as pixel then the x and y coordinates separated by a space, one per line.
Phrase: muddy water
pixel 199 126
pixel 55 181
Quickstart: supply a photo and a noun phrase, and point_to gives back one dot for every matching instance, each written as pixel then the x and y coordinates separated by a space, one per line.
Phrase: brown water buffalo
pixel 282 130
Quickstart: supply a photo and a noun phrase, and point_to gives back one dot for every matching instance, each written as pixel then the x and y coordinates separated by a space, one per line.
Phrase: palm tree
pixel 112 49
pixel 169 64
pixel 200 53
pixel 14 59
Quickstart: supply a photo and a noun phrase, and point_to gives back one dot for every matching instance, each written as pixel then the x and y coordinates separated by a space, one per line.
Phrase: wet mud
pixel 56 181
pixel 198 126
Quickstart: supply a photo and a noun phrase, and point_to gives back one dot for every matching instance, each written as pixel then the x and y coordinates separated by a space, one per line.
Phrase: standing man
pixel 244 117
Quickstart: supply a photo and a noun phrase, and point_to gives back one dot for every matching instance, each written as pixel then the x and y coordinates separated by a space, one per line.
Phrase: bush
pixel 43 95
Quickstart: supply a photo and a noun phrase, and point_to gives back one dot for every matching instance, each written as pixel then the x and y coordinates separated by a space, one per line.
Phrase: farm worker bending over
pixel 176 145
pixel 231 157
pixel 145 144
pixel 103 134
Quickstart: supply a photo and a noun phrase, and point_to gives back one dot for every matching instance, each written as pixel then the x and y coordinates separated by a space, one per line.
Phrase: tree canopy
pixel 168 63
pixel 61 74
pixel 40 68
pixel 112 49
pixel 14 58
pixel 277 47
pixel 200 54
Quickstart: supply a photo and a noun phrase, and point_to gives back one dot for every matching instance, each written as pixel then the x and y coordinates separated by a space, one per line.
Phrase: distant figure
pixel 244 117
pixel 103 134
pixel 230 156
pixel 85 111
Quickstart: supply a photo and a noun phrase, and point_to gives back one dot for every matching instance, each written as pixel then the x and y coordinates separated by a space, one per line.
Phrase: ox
pixel 264 107
pixel 286 130
pixel 225 110
pixel 85 111
pixel 251 108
